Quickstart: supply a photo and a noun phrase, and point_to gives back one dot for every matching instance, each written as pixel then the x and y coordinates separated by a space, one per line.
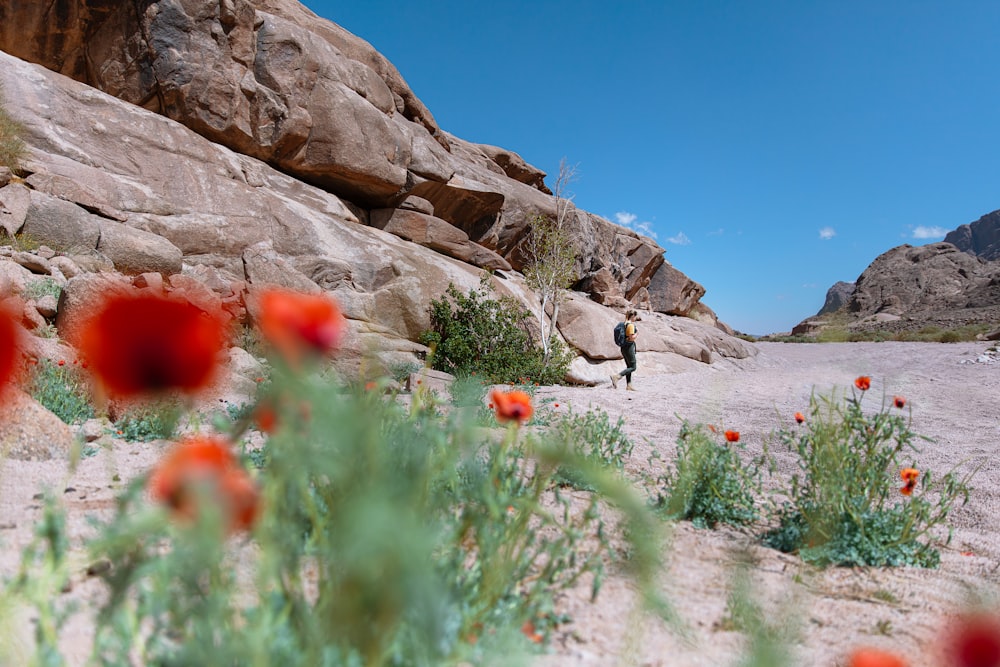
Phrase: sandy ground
pixel 953 399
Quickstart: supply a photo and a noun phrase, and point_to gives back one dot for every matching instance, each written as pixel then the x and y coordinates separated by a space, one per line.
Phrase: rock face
pixel 912 281
pixel 248 144
pixel 980 238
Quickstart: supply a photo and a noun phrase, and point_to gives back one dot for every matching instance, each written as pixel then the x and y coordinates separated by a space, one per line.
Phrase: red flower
pixel 899 401
pixel 974 641
pixel 873 657
pixel 528 630
pixel 145 343
pixel 863 382
pixel 266 417
pixel 799 417
pixel 11 345
pixel 300 325
pixel 512 405
pixel 210 464
pixel 732 436
pixel 62 362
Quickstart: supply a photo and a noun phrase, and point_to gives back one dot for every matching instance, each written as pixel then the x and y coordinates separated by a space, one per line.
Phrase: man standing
pixel 628 351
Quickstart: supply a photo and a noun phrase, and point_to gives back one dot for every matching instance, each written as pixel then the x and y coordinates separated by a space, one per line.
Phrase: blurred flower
pixel 528 630
pixel 732 436
pixel 207 465
pixel 145 343
pixel 974 641
pixel 909 476
pixel 799 417
pixel 265 417
pixel 300 325
pixel 899 401
pixel 512 405
pixel 863 382
pixel 873 657
pixel 11 345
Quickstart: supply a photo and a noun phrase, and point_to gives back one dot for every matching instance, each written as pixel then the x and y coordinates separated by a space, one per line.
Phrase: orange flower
pixel 909 476
pixel 899 401
pixel 145 343
pixel 799 417
pixel 512 405
pixel 863 382
pixel 208 463
pixel 873 657
pixel 732 436
pixel 974 641
pixel 300 325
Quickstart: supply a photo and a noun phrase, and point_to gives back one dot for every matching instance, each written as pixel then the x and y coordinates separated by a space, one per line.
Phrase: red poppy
pixel 974 641
pixel 899 401
pixel 863 382
pixel 265 417
pixel 208 463
pixel 799 417
pixel 11 345
pixel 732 436
pixel 144 343
pixel 512 405
pixel 528 630
pixel 300 325
pixel 909 476
pixel 873 657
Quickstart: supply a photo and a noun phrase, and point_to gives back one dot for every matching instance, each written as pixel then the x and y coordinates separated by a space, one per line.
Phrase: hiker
pixel 628 351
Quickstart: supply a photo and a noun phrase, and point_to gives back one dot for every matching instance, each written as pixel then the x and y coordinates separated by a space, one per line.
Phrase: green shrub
pixel 12 147
pixel 845 506
pixel 476 333
pixel 43 287
pixel 147 422
pixel 61 388
pixel 709 484
pixel 592 437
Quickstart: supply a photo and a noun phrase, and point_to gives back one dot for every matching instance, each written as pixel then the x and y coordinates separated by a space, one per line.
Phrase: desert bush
pixel 12 148
pixel 62 389
pixel 476 333
pixel 592 436
pixel 709 483
pixel 843 507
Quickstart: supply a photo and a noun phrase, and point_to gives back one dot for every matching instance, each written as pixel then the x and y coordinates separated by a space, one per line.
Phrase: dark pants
pixel 628 352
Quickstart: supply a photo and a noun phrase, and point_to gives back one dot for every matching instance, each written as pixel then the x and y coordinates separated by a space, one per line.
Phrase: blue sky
pixel 772 147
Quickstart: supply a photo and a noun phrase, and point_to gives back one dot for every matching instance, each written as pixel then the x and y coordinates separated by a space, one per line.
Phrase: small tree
pixel 11 145
pixel 551 257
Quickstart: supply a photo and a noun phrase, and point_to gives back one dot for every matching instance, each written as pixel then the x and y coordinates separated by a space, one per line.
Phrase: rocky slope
pixel 211 148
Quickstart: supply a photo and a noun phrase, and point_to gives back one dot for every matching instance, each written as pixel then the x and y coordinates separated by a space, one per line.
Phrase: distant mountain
pixel 948 284
pixel 980 238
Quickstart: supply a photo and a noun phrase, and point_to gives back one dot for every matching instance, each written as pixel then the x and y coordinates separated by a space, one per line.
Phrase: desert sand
pixel 953 400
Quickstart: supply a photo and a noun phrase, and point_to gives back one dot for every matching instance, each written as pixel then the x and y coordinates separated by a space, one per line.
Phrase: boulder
pixel 673 293
pixel 134 251
pixel 29 431
pixel 82 296
pixel 15 199
pixel 60 224
pixel 438 235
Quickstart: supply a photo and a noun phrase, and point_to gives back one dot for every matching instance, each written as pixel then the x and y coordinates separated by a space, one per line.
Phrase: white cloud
pixel 631 220
pixel 718 232
pixel 922 232
pixel 679 239
pixel 827 233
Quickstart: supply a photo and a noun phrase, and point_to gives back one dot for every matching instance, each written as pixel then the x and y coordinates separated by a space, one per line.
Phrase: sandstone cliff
pixel 229 144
